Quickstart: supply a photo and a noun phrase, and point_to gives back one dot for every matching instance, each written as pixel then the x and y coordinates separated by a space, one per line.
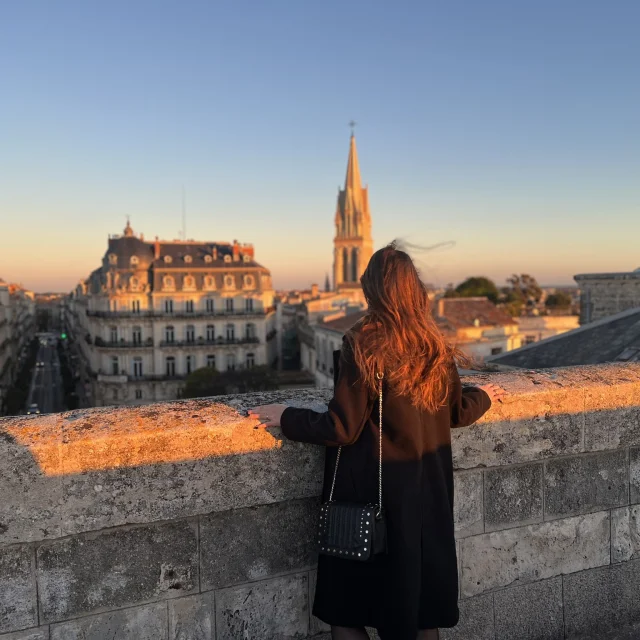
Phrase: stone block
pixel 137 494
pixel 476 620
pixel 586 483
pixel 535 552
pixel 316 625
pixel 39 633
pixel 243 545
pixel 467 505
pixel 31 495
pixel 139 623
pixel 17 589
pixel 192 618
pixel 117 568
pixel 530 612
pixel 625 534
pixel 513 495
pixel 634 475
pixel 544 435
pixel 277 608
pixel 602 602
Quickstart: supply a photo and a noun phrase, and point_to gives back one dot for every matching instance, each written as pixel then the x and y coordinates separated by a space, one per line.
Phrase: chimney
pixel 314 290
pixel 440 308
pixel 215 253
pixel 156 248
pixel 236 251
pixel 142 237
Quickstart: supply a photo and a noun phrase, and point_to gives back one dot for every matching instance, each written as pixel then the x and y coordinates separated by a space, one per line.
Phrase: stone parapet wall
pixel 182 521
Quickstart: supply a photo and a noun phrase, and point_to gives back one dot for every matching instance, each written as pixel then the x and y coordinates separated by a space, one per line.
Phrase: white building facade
pixel 154 312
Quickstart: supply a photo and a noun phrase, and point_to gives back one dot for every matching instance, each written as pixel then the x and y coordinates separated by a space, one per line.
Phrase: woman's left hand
pixel 268 414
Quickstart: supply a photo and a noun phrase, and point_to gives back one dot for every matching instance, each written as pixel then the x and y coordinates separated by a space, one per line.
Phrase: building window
pixel 228 305
pixel 168 306
pixel 248 304
pixel 189 306
pixel 211 361
pixel 250 331
pixel 113 258
pixel 138 394
pixel 190 363
pixel 496 351
pixel 168 259
pixel 135 306
pixel 188 259
pixel 191 333
pixel 246 257
pixel 134 284
pixel 136 334
pixel 169 334
pixel 529 339
pixel 251 360
pixel 210 305
pixel 227 258
pixel 115 366
pixel 114 334
pixel 137 367
pixel 211 333
pixel 209 282
pixel 249 282
pixel 115 394
pixel 168 283
pixel 231 332
pixel 114 305
pixel 228 282
pixel 133 260
pixel 189 282
pixel 171 366
pixel 208 258
pixel 231 361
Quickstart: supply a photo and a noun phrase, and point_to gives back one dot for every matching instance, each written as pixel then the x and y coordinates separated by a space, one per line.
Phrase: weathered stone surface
pixel 140 623
pixel 243 545
pixel 602 602
pixel 513 495
pixel 612 411
pixel 634 475
pixel 530 612
pixel 467 509
pixel 117 568
pixel 535 552
pixel 192 618
pixel 476 620
pixel 29 507
pixel 41 633
pixel 315 624
pixel 277 608
pixel 17 589
pixel 625 534
pixel 586 483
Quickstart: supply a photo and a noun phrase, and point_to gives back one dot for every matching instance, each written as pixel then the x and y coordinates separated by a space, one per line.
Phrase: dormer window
pixel 246 258
pixel 168 259
pixel 209 282
pixel 168 283
pixel 134 283
pixel 208 258
pixel 113 258
pixel 227 258
pixel 133 260
pixel 229 282
pixel 189 282
pixel 249 282
pixel 188 259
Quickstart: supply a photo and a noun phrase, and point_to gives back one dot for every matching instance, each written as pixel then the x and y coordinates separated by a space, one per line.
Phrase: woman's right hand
pixel 495 392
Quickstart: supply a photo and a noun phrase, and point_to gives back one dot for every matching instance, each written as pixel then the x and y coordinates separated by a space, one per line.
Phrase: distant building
pixel 612 339
pixel 153 312
pixel 17 328
pixel 477 326
pixel 537 328
pixel 605 294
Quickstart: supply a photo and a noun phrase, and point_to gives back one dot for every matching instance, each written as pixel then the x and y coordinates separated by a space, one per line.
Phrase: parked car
pixel 33 409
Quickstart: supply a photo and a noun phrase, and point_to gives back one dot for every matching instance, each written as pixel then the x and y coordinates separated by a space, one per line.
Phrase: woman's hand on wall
pixel 268 414
pixel 495 392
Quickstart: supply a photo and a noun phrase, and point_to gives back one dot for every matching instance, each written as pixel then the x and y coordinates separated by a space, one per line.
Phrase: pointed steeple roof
pixel 353 181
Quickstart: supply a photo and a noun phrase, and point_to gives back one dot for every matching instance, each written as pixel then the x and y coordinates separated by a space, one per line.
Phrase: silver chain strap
pixel 379 377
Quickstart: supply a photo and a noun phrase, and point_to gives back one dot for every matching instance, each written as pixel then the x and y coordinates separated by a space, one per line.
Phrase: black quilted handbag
pixel 350 530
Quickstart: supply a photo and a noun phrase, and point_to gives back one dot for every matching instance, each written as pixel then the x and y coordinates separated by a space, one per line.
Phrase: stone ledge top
pixel 110 437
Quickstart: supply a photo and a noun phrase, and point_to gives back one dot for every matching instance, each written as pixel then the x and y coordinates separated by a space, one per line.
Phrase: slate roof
pixel 343 324
pixel 612 339
pixel 461 313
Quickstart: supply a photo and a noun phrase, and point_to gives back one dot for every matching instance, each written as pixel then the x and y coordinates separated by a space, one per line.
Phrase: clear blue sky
pixel 512 128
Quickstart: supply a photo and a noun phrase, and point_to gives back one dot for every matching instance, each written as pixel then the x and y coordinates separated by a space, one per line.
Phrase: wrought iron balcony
pixel 202 342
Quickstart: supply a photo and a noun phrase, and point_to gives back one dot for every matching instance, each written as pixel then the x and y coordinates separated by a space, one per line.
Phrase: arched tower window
pixel 354 265
pixel 345 265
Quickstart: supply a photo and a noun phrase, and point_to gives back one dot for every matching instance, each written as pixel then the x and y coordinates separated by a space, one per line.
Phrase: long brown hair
pixel 398 334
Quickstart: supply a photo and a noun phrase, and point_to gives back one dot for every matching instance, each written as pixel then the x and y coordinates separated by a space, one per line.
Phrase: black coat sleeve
pixel 342 424
pixel 468 404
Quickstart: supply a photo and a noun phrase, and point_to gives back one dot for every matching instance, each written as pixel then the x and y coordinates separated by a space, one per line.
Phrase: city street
pixel 46 383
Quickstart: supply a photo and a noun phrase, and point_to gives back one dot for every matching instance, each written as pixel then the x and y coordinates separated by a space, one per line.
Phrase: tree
pixel 209 382
pixel 526 286
pixel 559 300
pixel 475 287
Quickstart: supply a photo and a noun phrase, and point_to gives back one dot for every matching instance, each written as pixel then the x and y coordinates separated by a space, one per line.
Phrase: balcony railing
pixel 201 342
pixel 124 344
pixel 218 313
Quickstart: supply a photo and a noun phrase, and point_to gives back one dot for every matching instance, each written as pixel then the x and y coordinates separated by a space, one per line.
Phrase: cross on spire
pixel 352 124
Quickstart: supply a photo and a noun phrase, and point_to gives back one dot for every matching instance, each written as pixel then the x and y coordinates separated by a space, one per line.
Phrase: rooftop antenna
pixel 184 214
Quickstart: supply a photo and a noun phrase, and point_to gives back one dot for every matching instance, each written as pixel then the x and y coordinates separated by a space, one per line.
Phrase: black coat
pixel 415 585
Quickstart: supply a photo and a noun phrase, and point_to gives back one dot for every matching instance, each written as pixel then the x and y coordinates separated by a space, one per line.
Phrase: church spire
pixel 353 183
